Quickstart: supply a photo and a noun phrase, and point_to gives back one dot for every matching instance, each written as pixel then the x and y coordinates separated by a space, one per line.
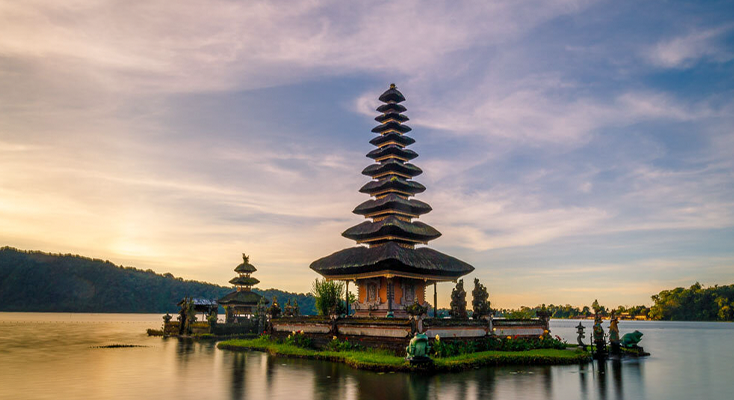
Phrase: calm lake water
pixel 52 356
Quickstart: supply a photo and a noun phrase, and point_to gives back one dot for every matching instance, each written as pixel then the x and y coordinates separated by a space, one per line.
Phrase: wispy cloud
pixel 685 50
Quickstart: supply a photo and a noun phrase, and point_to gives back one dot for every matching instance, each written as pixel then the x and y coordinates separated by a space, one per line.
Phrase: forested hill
pixel 42 282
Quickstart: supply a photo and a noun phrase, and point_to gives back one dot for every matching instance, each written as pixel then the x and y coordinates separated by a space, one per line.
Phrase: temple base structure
pixel 395 333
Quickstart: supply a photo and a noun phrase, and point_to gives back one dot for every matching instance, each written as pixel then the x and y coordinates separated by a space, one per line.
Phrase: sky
pixel 572 150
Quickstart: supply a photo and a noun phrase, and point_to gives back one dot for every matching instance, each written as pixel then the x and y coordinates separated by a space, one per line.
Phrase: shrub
pixel 343 345
pixel 444 348
pixel 298 339
pixel 204 336
pixel 328 296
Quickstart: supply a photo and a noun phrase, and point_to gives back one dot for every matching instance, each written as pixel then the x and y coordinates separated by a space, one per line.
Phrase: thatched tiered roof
pixel 241 298
pixel 392 258
pixel 243 282
pixel 392 233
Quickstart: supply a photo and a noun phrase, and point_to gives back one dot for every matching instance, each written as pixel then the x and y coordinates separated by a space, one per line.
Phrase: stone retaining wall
pixel 396 333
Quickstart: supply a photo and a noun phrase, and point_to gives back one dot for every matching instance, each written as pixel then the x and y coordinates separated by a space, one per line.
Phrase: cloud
pixel 684 51
pixel 224 45
pixel 542 111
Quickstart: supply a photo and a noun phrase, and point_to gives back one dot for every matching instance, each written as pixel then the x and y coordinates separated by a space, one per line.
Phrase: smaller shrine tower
pixel 243 301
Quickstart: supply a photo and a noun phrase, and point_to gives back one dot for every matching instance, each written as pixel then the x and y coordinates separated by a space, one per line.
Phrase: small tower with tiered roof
pixel 243 301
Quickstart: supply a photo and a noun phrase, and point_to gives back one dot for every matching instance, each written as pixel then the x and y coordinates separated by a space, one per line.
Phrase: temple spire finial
pixel 393 86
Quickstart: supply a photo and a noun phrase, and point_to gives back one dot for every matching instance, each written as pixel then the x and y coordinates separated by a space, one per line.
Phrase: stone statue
pixel 580 331
pixel 212 318
pixel 415 309
pixel 598 334
pixel 614 329
pixel 480 300
pixel 274 309
pixel 183 316
pixel 614 333
pixel 598 330
pixel 288 309
pixel 418 349
pixel 458 301
pixel 261 315
pixel 630 340
pixel 190 315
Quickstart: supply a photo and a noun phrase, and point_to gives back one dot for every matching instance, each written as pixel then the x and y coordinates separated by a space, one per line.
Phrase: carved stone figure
pixel 288 309
pixel 408 293
pixel 274 309
pixel 613 329
pixel 416 309
pixel 458 301
pixel 480 300
pixel 614 334
pixel 598 334
pixel 418 349
pixel 598 330
pixel 580 331
pixel 371 292
pixel 631 340
pixel 261 315
pixel 186 315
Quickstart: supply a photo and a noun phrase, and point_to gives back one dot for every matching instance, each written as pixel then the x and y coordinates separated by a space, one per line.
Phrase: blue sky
pixel 572 150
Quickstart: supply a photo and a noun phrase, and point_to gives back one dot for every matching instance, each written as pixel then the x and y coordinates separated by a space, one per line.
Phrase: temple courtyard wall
pixel 395 333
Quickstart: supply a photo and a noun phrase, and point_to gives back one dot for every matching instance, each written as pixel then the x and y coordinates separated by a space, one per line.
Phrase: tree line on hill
pixel 42 282
pixel 34 281
pixel 569 312
pixel 697 303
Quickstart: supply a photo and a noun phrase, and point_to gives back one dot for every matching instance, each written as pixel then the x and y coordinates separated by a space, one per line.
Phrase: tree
pixel 330 297
pixel 697 303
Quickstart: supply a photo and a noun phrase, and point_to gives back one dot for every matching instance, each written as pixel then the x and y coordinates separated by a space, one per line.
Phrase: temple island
pixel 392 268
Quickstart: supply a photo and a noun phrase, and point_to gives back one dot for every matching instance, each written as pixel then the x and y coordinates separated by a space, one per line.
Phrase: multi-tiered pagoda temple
pixel 243 301
pixel 390 272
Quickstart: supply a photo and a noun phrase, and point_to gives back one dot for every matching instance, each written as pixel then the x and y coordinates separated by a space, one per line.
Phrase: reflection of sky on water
pixel 50 356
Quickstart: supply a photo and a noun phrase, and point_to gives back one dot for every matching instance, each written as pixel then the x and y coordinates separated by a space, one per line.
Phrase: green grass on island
pixel 384 360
